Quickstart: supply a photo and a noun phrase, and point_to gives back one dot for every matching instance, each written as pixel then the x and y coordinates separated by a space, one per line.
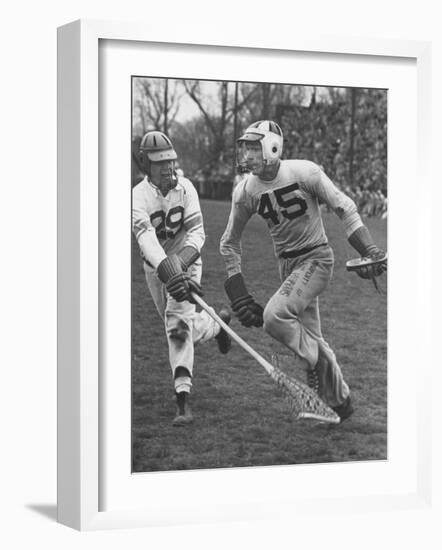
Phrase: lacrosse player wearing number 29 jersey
pixel 168 225
pixel 287 195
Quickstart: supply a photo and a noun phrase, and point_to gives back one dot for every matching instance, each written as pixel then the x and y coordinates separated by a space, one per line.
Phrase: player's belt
pixel 300 251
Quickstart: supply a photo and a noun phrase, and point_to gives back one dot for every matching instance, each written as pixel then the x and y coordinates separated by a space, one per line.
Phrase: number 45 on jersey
pixel 291 207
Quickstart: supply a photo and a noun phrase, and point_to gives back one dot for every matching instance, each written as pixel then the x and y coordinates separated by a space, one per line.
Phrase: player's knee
pixel 178 330
pixel 276 317
pixel 271 318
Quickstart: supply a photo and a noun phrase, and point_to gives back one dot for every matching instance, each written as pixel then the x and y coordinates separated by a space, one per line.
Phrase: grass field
pixel 241 419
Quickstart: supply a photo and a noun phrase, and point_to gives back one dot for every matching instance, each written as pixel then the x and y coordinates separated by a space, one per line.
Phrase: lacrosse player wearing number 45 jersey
pixel 287 195
pixel 168 225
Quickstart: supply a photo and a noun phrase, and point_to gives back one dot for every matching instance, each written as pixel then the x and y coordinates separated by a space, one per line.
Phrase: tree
pixel 156 104
pixel 342 130
pixel 218 120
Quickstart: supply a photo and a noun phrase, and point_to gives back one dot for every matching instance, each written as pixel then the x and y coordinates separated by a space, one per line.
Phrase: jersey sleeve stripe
pixel 140 232
pixel 193 215
pixel 193 222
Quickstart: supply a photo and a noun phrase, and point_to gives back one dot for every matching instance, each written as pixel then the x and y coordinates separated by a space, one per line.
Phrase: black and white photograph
pixel 258 274
pixel 238 348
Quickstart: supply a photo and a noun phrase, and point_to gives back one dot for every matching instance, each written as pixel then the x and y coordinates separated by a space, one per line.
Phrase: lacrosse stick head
pixel 369 268
pixel 359 264
pixel 305 403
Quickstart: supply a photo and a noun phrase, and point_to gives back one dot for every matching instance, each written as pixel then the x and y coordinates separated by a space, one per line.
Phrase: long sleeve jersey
pixel 164 225
pixel 290 204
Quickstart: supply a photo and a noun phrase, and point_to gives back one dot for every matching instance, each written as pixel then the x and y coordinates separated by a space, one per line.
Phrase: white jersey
pixel 290 204
pixel 164 225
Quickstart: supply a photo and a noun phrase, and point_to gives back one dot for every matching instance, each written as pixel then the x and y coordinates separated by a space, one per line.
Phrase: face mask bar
pixel 244 163
pixel 165 182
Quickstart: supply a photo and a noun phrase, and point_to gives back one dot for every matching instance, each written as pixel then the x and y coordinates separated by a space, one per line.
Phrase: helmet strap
pixel 144 164
pixel 164 187
pixel 270 170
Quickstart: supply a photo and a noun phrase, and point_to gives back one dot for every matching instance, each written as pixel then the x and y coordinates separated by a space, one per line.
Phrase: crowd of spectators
pixel 370 203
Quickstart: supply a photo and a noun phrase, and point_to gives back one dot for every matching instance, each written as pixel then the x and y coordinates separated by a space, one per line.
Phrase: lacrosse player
pixel 287 194
pixel 168 226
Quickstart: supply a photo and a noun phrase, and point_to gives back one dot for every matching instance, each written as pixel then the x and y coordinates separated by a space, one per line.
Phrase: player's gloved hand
pixel 362 241
pixel 180 287
pixel 249 312
pixel 375 269
pixel 178 283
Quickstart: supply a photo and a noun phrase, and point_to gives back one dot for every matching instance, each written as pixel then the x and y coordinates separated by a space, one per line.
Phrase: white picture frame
pixel 79 276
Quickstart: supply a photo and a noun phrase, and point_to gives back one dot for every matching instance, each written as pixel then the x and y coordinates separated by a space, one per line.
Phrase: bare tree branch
pixel 241 104
pixel 192 92
pixel 150 100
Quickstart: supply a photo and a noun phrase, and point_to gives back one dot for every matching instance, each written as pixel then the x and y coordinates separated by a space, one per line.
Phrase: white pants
pixel 184 326
pixel 292 317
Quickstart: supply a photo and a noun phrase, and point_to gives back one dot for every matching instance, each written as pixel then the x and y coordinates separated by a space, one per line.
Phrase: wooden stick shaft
pixel 245 346
pixel 270 369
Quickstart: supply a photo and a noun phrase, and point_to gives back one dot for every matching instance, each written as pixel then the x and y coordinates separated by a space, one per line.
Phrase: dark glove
pixel 180 287
pixel 249 312
pixel 178 283
pixel 362 241
pixel 375 269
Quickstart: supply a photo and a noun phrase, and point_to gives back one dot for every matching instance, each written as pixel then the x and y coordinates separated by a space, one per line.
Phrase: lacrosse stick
pixel 369 268
pixel 304 402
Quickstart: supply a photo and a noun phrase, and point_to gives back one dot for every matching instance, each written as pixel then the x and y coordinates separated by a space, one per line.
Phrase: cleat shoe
pixel 313 379
pixel 344 410
pixel 183 419
pixel 223 339
pixel 183 413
